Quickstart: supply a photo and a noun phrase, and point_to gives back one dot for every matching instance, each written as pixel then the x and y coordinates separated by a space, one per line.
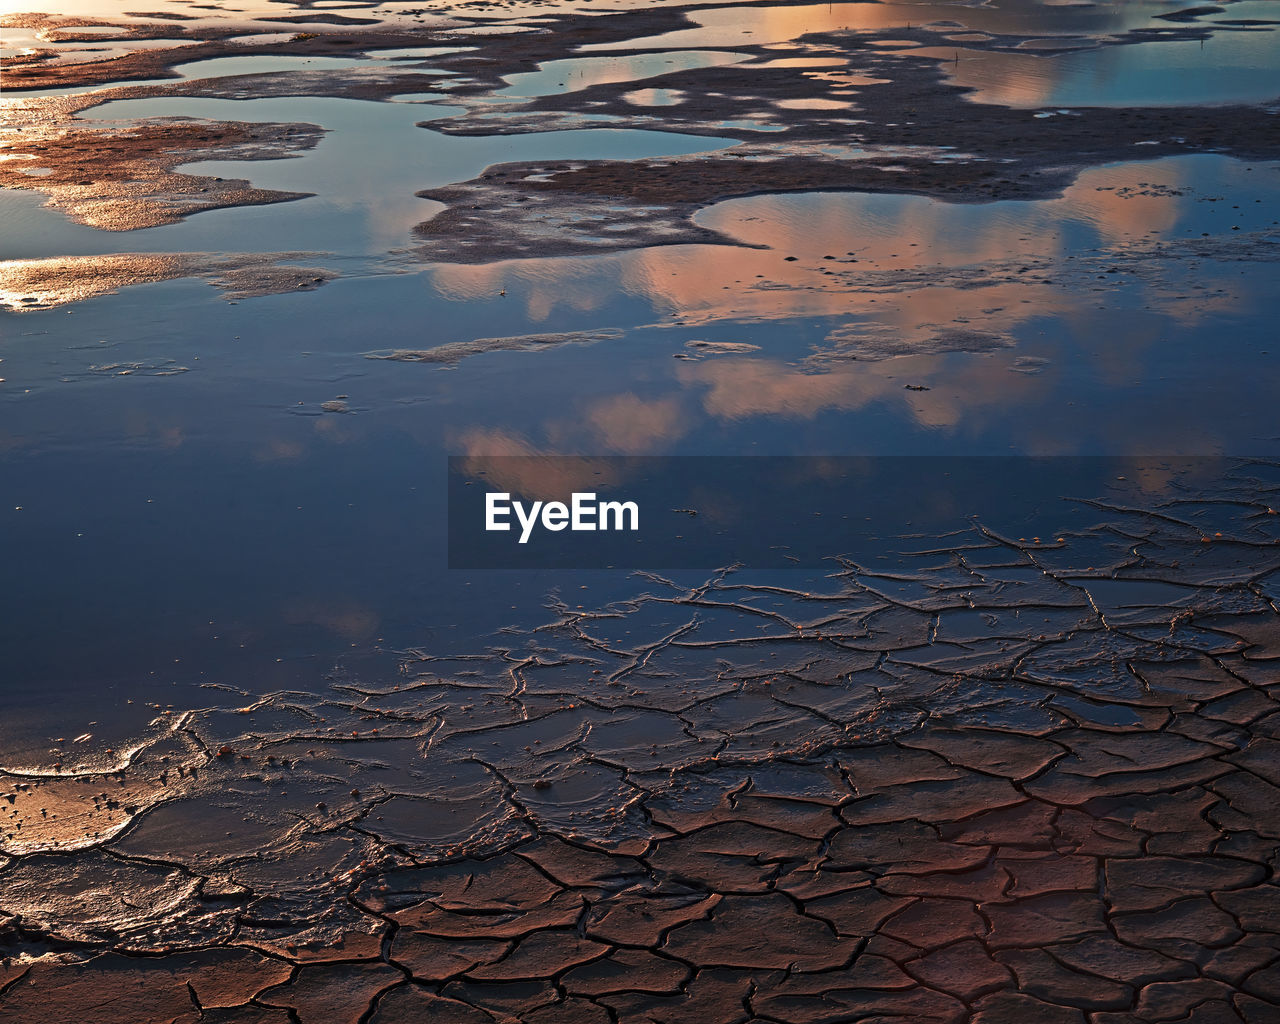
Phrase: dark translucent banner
pixel 569 512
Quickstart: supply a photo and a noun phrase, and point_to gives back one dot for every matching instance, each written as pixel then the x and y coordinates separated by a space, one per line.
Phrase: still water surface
pixel 179 508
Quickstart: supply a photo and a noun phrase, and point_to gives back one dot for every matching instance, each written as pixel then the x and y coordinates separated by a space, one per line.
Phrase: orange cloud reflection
pixel 909 263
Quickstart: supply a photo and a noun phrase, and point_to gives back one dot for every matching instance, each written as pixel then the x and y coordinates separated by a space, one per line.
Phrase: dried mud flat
pixel 1012 780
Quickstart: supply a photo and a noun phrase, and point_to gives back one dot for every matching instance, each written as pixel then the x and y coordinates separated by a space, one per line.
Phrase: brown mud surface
pixel 1012 780
pixel 120 177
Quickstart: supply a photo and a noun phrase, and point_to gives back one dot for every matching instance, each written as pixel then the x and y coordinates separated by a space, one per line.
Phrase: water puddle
pixel 797 62
pixel 761 124
pixel 273 64
pixel 255 64
pixel 352 212
pixel 1228 67
pixel 912 318
pixel 811 104
pixel 733 26
pixel 560 76
pixel 414 52
pixel 79 52
pixel 654 97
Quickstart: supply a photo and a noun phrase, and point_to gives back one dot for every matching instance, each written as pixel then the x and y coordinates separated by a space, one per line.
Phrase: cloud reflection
pixel 949 316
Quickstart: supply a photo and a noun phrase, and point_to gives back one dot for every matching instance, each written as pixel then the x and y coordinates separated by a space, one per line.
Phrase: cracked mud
pixel 1009 780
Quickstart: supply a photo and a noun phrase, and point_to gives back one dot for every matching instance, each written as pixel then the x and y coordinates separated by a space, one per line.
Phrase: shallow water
pixel 728 26
pixel 263 64
pixel 1226 68
pixel 555 77
pixel 298 533
pixel 351 212
pixel 226 519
